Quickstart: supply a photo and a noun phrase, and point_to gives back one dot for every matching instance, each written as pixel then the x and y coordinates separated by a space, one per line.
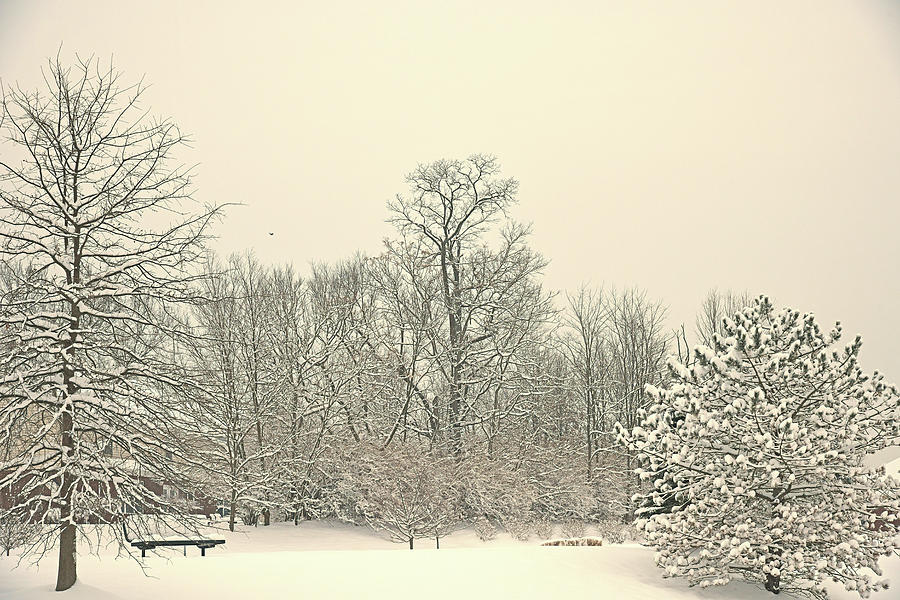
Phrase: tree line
pixel 444 348
pixel 133 359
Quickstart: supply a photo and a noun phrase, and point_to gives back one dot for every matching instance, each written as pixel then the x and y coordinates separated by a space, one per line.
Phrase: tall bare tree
pixel 256 359
pixel 638 347
pixel 322 355
pixel 488 300
pixel 98 211
pixel 407 314
pixel 587 349
pixel 450 204
pixel 226 404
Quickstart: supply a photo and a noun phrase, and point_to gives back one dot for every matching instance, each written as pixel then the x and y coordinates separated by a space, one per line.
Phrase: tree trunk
pixel 455 433
pixel 437 542
pixel 451 288
pixel 773 584
pixel 410 543
pixel 590 438
pixel 66 575
pixel 455 406
pixel 233 506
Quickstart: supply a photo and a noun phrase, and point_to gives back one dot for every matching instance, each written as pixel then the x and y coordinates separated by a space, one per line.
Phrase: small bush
pixel 543 529
pixel 610 531
pixel 485 530
pixel 520 530
pixel 614 532
pixel 573 529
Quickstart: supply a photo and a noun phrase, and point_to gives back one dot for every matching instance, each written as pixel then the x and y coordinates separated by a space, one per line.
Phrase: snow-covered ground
pixel 334 560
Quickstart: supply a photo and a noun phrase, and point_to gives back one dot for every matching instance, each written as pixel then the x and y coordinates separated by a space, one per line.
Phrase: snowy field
pixel 333 560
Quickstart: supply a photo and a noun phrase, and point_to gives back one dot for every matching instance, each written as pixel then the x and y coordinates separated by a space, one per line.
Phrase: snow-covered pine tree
pixel 99 220
pixel 762 441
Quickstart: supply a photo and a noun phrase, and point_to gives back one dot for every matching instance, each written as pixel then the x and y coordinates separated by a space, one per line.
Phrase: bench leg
pixel 203 551
pixel 143 553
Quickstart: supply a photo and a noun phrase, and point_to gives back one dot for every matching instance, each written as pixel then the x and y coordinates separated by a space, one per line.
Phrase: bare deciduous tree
pixel 588 353
pixel 96 209
pixel 450 204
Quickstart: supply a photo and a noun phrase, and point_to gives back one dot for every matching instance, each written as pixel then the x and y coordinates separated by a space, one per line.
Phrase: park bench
pixel 150 544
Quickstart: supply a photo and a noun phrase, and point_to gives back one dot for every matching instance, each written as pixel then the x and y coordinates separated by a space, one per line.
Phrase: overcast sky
pixel 673 146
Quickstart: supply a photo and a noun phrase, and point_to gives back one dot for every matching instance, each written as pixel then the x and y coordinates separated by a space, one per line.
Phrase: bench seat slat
pixel 138 543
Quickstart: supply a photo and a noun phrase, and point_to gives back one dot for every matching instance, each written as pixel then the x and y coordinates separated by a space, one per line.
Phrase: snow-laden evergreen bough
pixel 756 455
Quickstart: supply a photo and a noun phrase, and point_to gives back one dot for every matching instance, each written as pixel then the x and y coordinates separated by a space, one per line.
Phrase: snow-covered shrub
pixel 495 491
pixel 520 529
pixel 403 491
pixel 543 529
pixel 613 489
pixel 484 529
pixel 615 532
pixel 524 495
pixel 573 528
pixel 557 483
pixel 758 447
pixel 610 531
